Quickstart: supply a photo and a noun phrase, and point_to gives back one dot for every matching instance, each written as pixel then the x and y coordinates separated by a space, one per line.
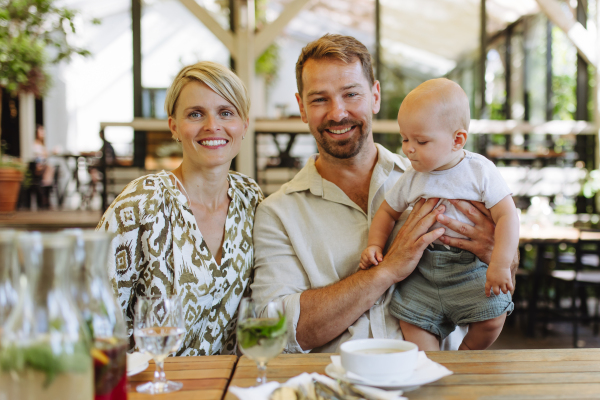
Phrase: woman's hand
pixel 407 248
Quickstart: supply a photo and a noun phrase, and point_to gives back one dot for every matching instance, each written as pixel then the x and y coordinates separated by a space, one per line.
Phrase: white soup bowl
pixel 365 358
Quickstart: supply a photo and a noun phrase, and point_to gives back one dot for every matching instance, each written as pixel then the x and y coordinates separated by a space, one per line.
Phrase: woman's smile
pixel 213 143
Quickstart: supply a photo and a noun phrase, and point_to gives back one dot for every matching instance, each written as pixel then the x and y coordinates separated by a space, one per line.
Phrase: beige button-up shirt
pixel 309 234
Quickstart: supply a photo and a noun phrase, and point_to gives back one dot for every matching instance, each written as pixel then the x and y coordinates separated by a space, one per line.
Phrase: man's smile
pixel 340 130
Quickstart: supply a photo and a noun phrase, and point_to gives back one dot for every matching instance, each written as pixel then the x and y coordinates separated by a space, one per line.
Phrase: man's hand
pixel 481 236
pixel 407 248
pixel 370 256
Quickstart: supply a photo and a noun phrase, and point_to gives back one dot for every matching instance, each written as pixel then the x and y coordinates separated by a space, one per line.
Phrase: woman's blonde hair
pixel 217 77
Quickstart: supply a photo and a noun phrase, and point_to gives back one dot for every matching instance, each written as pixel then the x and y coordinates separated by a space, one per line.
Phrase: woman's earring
pixel 243 137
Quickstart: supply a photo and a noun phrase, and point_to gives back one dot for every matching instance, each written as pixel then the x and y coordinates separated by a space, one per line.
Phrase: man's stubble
pixel 343 149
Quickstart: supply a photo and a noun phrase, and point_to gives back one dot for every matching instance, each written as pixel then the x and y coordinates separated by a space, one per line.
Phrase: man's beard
pixel 347 148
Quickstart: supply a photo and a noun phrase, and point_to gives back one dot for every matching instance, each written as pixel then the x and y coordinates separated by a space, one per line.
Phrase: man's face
pixel 338 104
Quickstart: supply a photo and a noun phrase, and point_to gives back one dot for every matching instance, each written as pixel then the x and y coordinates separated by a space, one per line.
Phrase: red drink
pixel 110 369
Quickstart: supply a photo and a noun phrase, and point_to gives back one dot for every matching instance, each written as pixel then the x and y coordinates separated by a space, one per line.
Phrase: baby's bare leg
pixel 426 341
pixel 482 334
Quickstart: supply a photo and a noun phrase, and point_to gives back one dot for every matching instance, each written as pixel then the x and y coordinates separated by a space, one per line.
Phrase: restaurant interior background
pixel 528 66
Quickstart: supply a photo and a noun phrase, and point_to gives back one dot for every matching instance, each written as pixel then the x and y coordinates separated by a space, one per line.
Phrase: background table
pixel 492 374
pixel 203 378
pixel 541 237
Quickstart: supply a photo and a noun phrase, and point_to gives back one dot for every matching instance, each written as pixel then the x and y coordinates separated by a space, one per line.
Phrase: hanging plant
pixel 33 33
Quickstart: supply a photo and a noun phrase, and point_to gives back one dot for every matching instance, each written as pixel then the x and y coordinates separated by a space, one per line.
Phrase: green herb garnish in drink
pixel 40 357
pixel 252 331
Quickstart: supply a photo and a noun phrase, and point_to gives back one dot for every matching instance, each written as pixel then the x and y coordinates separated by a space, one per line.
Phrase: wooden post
pixel 244 63
pixel 26 125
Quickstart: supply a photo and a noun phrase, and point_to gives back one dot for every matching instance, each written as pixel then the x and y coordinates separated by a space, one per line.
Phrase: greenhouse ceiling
pixel 427 37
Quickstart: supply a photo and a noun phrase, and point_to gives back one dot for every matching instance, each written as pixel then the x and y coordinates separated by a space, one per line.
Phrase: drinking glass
pixel 261 339
pixel 158 330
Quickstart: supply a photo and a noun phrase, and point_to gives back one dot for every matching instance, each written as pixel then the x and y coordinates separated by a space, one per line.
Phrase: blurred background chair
pixel 574 286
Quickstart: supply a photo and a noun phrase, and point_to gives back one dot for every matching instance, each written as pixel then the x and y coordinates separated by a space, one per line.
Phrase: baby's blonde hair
pixel 217 77
pixel 451 99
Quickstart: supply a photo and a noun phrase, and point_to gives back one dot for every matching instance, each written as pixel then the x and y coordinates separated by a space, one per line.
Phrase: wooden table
pixel 203 378
pixel 50 220
pixel 492 374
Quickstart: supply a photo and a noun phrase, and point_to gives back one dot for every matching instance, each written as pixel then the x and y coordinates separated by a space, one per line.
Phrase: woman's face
pixel 208 126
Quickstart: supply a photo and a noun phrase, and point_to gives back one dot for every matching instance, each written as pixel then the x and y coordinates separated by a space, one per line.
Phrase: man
pixel 309 235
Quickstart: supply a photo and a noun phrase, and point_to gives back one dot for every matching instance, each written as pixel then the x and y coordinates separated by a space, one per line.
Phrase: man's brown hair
pixel 338 47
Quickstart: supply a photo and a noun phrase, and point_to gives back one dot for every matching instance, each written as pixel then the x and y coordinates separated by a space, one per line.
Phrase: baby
pixel 450 286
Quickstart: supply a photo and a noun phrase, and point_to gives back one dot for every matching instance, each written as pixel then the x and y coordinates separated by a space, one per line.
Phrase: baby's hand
pixel 370 256
pixel 498 280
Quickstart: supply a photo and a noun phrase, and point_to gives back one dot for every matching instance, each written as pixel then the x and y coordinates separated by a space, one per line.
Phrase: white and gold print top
pixel 159 250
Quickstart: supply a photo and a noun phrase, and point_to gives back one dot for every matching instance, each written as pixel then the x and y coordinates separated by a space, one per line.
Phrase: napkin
pixel 137 362
pixel 425 370
pixel 263 392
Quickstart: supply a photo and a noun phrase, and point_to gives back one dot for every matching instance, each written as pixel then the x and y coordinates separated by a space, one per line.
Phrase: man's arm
pixel 327 312
pixel 480 237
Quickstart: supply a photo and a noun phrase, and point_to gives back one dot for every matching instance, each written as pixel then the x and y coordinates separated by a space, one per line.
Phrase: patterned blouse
pixel 160 250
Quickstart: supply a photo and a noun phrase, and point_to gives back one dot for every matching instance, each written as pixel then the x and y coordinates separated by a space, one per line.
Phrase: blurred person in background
pixel 42 172
pixel 189 231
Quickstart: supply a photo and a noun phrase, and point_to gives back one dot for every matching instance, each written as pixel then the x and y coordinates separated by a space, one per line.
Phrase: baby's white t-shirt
pixel 473 178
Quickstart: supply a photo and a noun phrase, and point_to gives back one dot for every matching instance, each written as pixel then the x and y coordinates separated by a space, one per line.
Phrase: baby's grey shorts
pixel 447 289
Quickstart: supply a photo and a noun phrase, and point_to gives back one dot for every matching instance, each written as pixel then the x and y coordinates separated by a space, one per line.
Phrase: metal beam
pixel 225 36
pixel 139 137
pixel 267 35
pixel 378 47
pixel 482 55
pixel 579 36
pixel 549 105
pixel 596 89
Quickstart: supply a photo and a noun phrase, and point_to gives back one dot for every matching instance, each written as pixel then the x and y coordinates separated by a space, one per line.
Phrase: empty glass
pixel 261 339
pixel 159 329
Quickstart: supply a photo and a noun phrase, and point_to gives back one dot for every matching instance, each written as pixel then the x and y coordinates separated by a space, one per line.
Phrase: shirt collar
pixel 309 178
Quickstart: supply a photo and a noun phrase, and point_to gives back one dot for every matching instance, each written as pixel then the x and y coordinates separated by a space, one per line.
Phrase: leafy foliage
pixel 29 30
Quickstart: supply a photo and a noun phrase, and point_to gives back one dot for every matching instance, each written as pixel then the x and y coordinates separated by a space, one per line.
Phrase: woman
pixel 189 231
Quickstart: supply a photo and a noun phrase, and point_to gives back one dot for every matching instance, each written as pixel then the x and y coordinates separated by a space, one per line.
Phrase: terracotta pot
pixel 10 184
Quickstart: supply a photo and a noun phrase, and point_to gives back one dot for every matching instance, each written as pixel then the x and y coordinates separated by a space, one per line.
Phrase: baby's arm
pixel 506 239
pixel 381 227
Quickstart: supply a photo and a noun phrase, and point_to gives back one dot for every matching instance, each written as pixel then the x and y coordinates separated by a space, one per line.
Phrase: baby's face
pixel 426 140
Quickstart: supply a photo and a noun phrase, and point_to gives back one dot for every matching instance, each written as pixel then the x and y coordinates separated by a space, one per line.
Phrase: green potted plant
pixel 33 33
